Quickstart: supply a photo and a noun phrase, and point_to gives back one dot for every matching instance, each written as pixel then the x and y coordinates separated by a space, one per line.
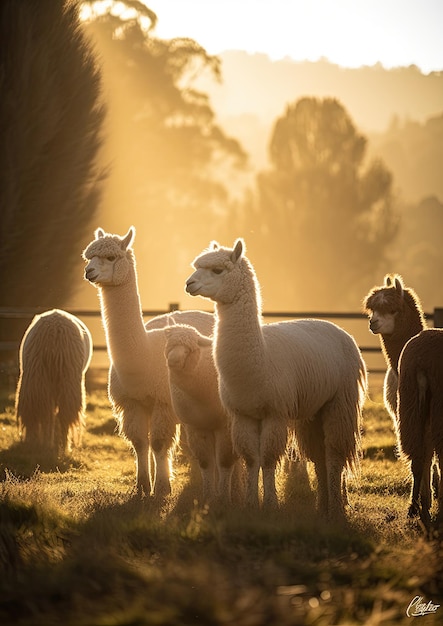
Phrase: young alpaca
pixel 138 380
pixel 395 313
pixel 305 374
pixel 55 354
pixel 194 393
pixel 420 416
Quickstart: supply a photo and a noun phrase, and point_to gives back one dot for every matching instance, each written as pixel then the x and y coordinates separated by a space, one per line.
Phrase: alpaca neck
pixel 240 351
pixel 123 320
pixel 392 345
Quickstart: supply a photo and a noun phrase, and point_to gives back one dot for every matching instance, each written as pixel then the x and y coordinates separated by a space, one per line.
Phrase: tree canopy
pixel 327 216
pixel 170 163
pixel 51 116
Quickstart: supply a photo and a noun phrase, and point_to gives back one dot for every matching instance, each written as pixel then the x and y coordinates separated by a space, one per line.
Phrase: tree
pixel 170 163
pixel 417 253
pixel 327 219
pixel 51 115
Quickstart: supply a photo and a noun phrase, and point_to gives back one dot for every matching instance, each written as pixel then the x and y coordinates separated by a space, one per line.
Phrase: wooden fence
pixel 355 323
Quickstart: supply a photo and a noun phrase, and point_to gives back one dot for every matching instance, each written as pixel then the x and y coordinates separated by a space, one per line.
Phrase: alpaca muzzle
pixel 374 327
pixel 90 275
pixel 191 287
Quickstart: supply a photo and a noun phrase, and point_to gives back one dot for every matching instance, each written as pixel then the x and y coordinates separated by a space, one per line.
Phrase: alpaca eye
pixel 217 270
pixel 110 258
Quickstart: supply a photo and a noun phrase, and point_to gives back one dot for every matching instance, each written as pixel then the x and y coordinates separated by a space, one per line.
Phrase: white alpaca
pixel 196 401
pixel 55 353
pixel 307 374
pixel 138 379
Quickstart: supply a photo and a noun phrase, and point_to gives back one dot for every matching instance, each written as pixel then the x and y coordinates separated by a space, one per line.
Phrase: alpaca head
pixel 183 346
pixel 388 306
pixel 108 258
pixel 222 274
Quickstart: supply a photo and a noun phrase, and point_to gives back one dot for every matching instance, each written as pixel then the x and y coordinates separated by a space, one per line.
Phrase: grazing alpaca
pixel 138 380
pixel 420 416
pixel 194 393
pixel 305 374
pixel 396 314
pixel 55 353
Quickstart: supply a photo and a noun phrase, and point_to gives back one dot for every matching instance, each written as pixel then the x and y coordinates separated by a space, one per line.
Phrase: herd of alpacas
pixel 243 392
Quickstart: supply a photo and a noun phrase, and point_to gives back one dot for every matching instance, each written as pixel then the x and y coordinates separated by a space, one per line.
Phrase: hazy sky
pixel 350 33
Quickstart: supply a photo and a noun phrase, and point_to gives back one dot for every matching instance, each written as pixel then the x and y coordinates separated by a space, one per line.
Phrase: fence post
pixel 438 317
pixel 174 306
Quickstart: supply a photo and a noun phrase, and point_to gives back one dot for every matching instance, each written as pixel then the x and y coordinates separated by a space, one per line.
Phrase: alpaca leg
pixel 310 437
pixel 246 440
pixel 322 485
pixel 237 484
pixel 225 459
pixel 273 440
pixel 334 465
pixel 425 486
pixel 70 410
pixel 439 480
pixel 201 443
pixel 163 441
pixel 340 418
pixel 134 425
pixel 417 465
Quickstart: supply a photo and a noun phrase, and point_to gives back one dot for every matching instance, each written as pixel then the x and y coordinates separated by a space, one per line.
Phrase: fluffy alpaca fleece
pixel 138 380
pixel 55 353
pixel 307 374
pixel 395 313
pixel 195 398
pixel 420 416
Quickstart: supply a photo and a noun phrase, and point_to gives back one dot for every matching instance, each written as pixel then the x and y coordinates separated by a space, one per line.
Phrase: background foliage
pixel 51 116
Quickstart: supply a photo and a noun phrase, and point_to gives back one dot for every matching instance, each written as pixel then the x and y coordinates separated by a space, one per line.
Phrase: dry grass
pixel 76 546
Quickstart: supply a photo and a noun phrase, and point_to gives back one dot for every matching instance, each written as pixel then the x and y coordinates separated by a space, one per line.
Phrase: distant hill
pixel 255 91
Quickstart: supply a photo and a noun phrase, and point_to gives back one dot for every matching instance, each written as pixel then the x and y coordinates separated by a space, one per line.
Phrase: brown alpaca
pixel 396 314
pixel 420 415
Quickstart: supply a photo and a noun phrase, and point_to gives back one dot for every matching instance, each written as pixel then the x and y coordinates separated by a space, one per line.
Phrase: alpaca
pixel 395 313
pixel 194 393
pixel 420 416
pixel 138 380
pixel 305 375
pixel 55 353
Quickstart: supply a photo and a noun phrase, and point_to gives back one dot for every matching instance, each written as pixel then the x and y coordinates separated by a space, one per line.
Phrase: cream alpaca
pixel 138 380
pixel 55 353
pixel 194 392
pixel 307 374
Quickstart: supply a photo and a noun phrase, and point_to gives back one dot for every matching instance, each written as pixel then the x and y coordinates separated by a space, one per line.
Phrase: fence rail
pixel 436 317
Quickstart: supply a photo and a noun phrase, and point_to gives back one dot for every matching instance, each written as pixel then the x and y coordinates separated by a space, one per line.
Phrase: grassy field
pixel 77 548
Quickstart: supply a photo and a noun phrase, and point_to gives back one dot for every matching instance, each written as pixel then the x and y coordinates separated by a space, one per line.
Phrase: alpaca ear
pixel 238 250
pixel 214 245
pixel 99 233
pixel 388 280
pixel 204 341
pixel 399 285
pixel 128 239
pixel 171 322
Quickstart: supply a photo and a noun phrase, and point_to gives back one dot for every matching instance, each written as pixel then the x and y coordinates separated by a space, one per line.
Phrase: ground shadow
pixel 23 460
